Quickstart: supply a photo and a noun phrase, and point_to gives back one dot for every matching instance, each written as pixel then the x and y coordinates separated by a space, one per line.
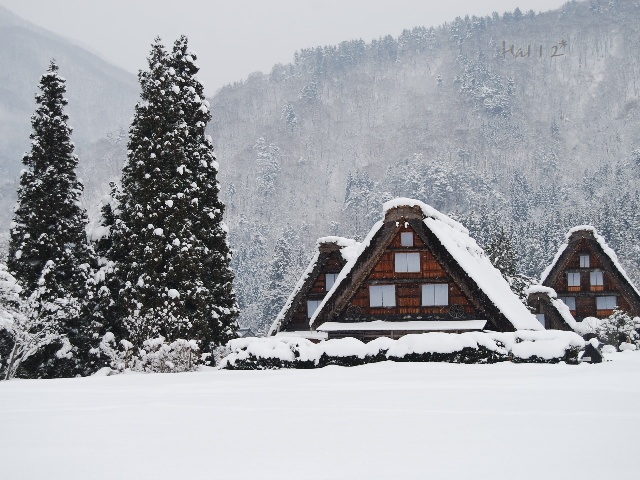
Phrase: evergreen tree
pixel 48 251
pixel 169 242
pixel 501 253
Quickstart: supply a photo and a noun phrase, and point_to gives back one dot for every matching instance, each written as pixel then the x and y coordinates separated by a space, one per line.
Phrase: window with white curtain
pixel 312 306
pixel 406 239
pixel 569 302
pixel 573 279
pixel 597 277
pixel 408 262
pixel 585 261
pixel 606 302
pixel 382 295
pixel 435 294
pixel 329 280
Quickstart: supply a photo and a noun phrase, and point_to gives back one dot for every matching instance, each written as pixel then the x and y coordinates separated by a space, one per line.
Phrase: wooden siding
pixel 586 293
pixel 408 286
pixel 300 320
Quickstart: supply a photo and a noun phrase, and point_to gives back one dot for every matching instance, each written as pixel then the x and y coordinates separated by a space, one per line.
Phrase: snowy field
pixel 378 421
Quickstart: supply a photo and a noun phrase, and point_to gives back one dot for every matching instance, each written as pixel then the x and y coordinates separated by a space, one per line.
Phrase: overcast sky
pixel 234 38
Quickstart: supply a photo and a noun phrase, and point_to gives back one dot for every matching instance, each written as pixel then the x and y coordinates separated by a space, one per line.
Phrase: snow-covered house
pixel 332 253
pixel 418 271
pixel 587 276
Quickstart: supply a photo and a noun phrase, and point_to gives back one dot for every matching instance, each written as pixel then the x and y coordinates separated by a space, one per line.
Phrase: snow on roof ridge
pixel 541 289
pixel 427 210
pixel 340 241
pixel 581 228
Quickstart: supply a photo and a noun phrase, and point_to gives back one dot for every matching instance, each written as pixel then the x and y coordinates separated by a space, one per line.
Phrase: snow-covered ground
pixel 378 421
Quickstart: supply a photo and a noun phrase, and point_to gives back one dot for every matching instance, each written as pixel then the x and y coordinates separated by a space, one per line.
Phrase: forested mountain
pixel 522 121
pixel 101 99
pixel 525 121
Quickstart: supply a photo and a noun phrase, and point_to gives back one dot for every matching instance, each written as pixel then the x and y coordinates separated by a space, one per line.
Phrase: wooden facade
pixel 434 287
pixel 588 279
pixel 295 316
pixel 547 312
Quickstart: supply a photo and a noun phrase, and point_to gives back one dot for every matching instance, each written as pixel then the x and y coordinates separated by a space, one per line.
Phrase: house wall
pixel 586 293
pixel 408 288
pixel 328 263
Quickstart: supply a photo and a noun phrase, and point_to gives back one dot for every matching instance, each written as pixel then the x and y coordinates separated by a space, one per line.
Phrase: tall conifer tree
pixel 48 251
pixel 169 241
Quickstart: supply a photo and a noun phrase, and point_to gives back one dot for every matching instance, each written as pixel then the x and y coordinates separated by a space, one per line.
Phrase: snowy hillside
pixel 382 421
pixel 536 138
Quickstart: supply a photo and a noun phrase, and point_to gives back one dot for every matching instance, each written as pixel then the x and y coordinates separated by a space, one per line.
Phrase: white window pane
pixel 330 279
pixel 375 296
pixel 413 262
pixel 435 294
pixel 541 319
pixel 406 239
pixel 606 303
pixel 584 261
pixel 401 262
pixel 389 295
pixel 573 279
pixel 597 278
pixel 312 306
pixel 569 302
pixel 428 295
pixel 442 294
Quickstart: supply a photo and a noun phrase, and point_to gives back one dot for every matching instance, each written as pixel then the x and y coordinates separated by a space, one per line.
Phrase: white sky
pixel 234 38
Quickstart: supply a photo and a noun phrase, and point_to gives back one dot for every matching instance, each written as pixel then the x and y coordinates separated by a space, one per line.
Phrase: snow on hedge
pixel 471 347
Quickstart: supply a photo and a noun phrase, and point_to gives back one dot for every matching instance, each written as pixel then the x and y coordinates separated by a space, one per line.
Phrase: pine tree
pixel 48 251
pixel 169 242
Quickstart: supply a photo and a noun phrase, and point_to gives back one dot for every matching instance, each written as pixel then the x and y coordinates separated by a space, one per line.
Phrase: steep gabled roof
pixel 461 256
pixel 599 246
pixel 347 248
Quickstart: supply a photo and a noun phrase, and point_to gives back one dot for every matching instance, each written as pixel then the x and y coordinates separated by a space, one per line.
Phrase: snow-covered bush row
pixel 550 346
pixel 156 355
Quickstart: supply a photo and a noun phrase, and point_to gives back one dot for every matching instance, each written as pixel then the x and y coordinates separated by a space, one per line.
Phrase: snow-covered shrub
pixel 22 332
pixel 156 355
pixel 619 328
pixel 159 356
pixel 474 347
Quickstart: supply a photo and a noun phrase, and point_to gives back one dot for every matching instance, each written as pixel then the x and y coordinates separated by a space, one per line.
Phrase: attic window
pixel 435 294
pixel 597 280
pixel 573 280
pixel 541 319
pixel 584 261
pixel 606 303
pixel 569 302
pixel 408 262
pixel 406 239
pixel 382 295
pixel 329 280
pixel 312 306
